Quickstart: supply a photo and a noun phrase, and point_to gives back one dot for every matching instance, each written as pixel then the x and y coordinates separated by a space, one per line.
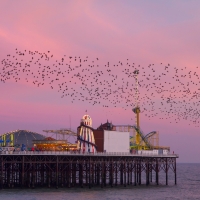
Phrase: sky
pixel 144 32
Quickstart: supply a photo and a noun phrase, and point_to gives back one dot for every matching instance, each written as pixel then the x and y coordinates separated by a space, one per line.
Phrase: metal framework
pixel 148 141
pixel 83 170
pixel 61 134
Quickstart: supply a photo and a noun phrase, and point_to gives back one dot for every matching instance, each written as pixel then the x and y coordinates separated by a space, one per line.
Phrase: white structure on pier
pixel 86 142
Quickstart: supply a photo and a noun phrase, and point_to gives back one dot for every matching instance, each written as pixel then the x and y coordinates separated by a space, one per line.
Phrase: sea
pixel 188 187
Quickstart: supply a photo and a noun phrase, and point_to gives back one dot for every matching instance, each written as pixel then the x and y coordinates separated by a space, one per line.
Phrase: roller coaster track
pixel 150 134
pixel 145 138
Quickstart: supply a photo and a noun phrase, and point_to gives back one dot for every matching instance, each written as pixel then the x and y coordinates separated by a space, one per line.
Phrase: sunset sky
pixel 144 32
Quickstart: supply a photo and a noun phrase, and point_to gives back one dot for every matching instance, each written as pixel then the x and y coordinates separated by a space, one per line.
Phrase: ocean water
pixel 188 187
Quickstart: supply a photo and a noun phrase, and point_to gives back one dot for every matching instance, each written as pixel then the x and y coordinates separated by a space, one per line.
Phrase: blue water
pixel 188 187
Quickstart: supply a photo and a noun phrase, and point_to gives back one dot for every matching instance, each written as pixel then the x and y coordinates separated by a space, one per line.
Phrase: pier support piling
pixel 71 170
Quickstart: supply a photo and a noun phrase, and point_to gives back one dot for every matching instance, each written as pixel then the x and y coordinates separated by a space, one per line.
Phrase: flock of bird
pixel 169 92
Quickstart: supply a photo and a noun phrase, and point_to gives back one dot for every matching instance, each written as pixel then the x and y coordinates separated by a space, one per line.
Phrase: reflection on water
pixel 188 188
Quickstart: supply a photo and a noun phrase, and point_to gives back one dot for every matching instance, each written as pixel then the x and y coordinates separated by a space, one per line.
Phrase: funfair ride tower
pixel 86 142
pixel 136 110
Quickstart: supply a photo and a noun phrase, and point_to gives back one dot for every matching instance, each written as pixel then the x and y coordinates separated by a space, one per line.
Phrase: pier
pixel 26 169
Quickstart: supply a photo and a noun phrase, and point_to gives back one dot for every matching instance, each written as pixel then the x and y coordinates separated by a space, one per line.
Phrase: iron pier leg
pixel 36 177
pixel 135 173
pixel 86 173
pixel 12 175
pixel 137 166
pixel 82 174
pixel 65 175
pixel 166 171
pixel 102 173
pixel 116 167
pixel 69 175
pixel 125 173
pixel 90 172
pixel 1 177
pixel 157 182
pixel 22 175
pixel 57 172
pixel 8 174
pixel 140 172
pixel 131 173
pixel 49 178
pixel 151 172
pixel 93 173
pixel 128 173
pixel 110 166
pixel 73 174
pixel 98 173
pixel 62 175
pixel 33 175
pixel 147 173
pixel 105 174
pixel 175 171
pixel 29 175
pixel 111 173
pixel 42 174
pixel 121 174
pixel 79 176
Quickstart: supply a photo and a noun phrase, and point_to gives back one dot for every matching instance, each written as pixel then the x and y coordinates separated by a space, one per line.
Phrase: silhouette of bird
pixel 167 92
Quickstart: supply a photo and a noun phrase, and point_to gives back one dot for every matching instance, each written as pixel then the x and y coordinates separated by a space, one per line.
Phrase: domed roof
pixel 23 137
pixel 86 119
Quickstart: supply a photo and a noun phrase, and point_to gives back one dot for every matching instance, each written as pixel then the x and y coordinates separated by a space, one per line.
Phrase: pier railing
pixel 86 154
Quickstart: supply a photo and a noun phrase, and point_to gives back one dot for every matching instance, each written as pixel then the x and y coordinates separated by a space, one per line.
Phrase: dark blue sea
pixel 188 187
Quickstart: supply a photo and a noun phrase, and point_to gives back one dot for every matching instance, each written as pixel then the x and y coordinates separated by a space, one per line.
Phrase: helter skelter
pixel 86 141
